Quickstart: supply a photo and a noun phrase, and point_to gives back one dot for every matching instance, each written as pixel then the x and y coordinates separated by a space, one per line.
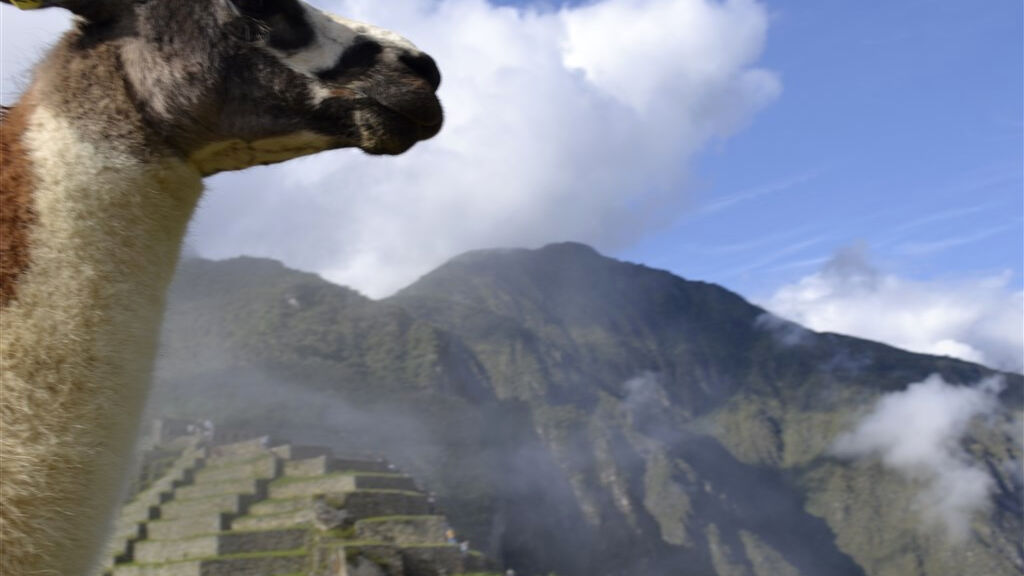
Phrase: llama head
pixel 235 83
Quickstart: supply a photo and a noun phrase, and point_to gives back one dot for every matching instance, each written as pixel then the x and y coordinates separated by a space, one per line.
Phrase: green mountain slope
pixel 588 416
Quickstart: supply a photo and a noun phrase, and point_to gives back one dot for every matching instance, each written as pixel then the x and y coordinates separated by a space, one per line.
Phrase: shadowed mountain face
pixel 591 417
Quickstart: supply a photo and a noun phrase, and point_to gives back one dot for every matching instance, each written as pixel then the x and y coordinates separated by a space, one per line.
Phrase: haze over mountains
pixel 587 416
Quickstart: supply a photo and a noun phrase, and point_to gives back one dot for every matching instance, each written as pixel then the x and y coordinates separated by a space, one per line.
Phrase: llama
pixel 101 167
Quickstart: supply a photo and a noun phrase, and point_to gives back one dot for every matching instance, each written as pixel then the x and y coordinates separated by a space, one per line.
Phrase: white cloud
pixel 644 392
pixel 575 124
pixel 572 124
pixel 785 332
pixel 980 320
pixel 639 50
pixel 918 432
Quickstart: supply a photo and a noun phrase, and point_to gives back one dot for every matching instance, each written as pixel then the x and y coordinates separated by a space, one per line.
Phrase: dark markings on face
pixel 181 75
pixel 424 67
pixel 359 57
pixel 281 23
pixel 204 76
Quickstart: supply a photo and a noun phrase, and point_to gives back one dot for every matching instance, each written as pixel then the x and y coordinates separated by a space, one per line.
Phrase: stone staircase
pixel 261 508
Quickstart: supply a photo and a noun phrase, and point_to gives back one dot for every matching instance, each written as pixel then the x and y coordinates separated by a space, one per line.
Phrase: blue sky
pixel 856 168
pixel 899 129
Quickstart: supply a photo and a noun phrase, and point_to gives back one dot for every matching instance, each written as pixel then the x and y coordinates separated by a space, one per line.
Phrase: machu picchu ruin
pixel 212 502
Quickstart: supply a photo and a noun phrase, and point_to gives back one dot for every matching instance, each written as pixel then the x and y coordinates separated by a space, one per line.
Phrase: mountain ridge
pixel 611 396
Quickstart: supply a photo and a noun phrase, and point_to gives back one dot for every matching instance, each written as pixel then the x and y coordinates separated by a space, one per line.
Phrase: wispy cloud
pixel 758 244
pixel 918 432
pixel 979 181
pixel 798 264
pixel 978 319
pixel 922 248
pixel 733 200
pixel 776 255
pixel 948 214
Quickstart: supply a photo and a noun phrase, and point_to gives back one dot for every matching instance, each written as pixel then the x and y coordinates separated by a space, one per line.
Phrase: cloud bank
pixel 979 320
pixel 917 432
pixel 575 123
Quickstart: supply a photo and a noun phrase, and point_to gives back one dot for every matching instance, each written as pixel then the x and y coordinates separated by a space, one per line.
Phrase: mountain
pixel 586 416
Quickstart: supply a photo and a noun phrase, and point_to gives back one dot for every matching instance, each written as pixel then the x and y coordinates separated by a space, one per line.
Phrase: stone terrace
pixel 263 508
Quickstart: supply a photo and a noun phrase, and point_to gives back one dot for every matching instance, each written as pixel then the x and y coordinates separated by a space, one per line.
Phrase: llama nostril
pixel 424 67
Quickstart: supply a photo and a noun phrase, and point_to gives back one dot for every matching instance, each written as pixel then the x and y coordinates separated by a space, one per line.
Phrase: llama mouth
pixel 383 130
pixel 412 98
pixel 401 113
pixel 390 113
pixel 429 116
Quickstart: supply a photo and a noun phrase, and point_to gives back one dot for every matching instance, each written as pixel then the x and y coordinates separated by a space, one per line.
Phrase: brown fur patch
pixel 343 93
pixel 17 213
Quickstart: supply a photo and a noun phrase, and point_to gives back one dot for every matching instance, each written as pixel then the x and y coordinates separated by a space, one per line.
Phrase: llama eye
pixel 248 29
pixel 258 8
pixel 282 24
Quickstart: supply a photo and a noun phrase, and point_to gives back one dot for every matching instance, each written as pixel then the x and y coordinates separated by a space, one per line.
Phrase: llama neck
pixel 108 230
pixel 79 338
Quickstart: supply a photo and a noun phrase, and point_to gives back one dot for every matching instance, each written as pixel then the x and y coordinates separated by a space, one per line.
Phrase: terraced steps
pixel 321 465
pixel 305 518
pixel 230 503
pixel 226 543
pixel 403 530
pixel 265 508
pixel 339 482
pixel 129 529
pixel 253 564
pixel 359 503
pixel 205 523
pixel 244 449
pixel 248 486
pixel 261 466
pixel 130 525
pixel 291 452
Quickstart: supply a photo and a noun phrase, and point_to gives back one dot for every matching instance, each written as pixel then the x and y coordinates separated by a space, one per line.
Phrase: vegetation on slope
pixel 584 415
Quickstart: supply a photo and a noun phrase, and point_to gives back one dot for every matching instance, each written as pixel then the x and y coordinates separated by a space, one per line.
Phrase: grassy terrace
pixel 285 481
pixel 214 464
pixel 406 518
pixel 242 556
pixel 375 497
pixel 271 515
pixel 227 533
pixel 381 491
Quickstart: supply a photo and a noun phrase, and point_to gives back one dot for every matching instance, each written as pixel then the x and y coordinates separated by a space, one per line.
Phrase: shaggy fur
pixel 102 165
pixel 16 211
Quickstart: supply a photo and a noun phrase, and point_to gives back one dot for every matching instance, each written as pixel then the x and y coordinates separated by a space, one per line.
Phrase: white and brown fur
pixel 101 167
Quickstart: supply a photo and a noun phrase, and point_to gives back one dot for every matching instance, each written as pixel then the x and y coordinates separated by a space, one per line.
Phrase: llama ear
pixel 89 9
pixel 26 4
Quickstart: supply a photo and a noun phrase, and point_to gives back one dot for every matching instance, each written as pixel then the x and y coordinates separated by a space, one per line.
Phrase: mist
pixel 919 433
pixel 489 473
pixel 553 439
